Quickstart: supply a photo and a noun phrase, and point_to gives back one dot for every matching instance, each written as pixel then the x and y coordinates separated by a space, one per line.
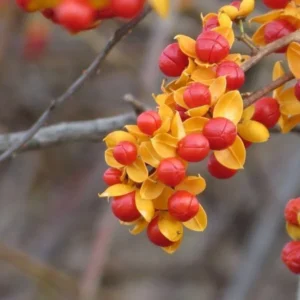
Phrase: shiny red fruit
pixel 183 206
pixel 235 76
pixel 125 153
pixel 75 15
pixel 297 90
pixel 219 171
pixel 127 8
pixel 220 132
pixel 148 122
pixel 276 4
pixel 171 171
pixel 112 176
pixel 155 236
pixel 193 148
pixel 292 209
pixel 197 94
pixel 211 23
pixel 172 60
pixel 236 4
pixel 290 255
pixel 124 208
pixel 182 112
pixel 105 13
pixel 277 29
pixel 266 111
pixel 211 47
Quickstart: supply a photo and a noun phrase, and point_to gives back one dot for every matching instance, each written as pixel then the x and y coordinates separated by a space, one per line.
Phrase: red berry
pixel 125 153
pixel 50 14
pixel 211 23
pixel 75 15
pixel 148 122
pixel 127 8
pixel 220 132
pixel 292 209
pixel 219 171
pixel 297 90
pixel 266 111
pixel 236 4
pixel 183 206
pixel 193 148
pixel 182 112
pixel 197 94
pixel 112 176
pixel 124 208
pixel 155 236
pixel 211 47
pixel 171 171
pixel 290 255
pixel 276 4
pixel 277 29
pixel 173 61
pixel 235 76
pixel 105 13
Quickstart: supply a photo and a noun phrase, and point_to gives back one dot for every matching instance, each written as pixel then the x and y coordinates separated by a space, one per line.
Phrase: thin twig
pixel 92 130
pixel 267 89
pixel 270 48
pixel 77 84
pixel 136 105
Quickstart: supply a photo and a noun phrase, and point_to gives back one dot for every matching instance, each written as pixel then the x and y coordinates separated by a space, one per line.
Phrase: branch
pixel 270 48
pixel 267 89
pixel 67 132
pixel 76 85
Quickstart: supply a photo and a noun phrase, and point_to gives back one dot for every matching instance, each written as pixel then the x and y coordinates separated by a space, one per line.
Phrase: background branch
pixel 77 84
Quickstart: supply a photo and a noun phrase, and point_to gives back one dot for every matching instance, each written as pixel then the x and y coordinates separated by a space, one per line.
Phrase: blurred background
pixel 58 237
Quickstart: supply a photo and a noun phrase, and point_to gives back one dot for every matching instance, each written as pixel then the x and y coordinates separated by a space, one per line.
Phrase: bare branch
pixel 61 133
pixel 76 85
pixel 267 89
pixel 270 48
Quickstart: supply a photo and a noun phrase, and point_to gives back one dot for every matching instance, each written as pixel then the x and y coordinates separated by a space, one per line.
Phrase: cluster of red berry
pixel 291 251
pixel 79 15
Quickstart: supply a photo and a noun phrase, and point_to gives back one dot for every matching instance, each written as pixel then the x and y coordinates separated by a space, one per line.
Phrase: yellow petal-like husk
pixel 135 131
pixel 170 227
pixel 248 113
pixel 139 226
pixel 270 16
pixel 177 128
pixel 195 124
pixel 178 97
pixel 198 111
pixel 253 131
pixel 278 71
pixel 165 144
pixel 137 171
pixel 230 106
pixel 203 75
pixel 193 184
pixel 117 190
pixel 118 136
pixel 293 58
pixel 259 36
pixel 152 188
pixel 149 155
pixel 199 222
pixel 289 104
pixel 293 231
pixel 217 89
pixel 187 45
pixel 171 249
pixel 227 33
pixel 162 7
pixel 145 207
pixel 161 202
pixel 110 160
pixel 233 157
pixel 230 10
pixel 287 124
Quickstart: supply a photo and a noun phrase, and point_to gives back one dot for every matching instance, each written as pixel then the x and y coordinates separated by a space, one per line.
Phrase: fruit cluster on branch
pixel 200 114
pixel 80 15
